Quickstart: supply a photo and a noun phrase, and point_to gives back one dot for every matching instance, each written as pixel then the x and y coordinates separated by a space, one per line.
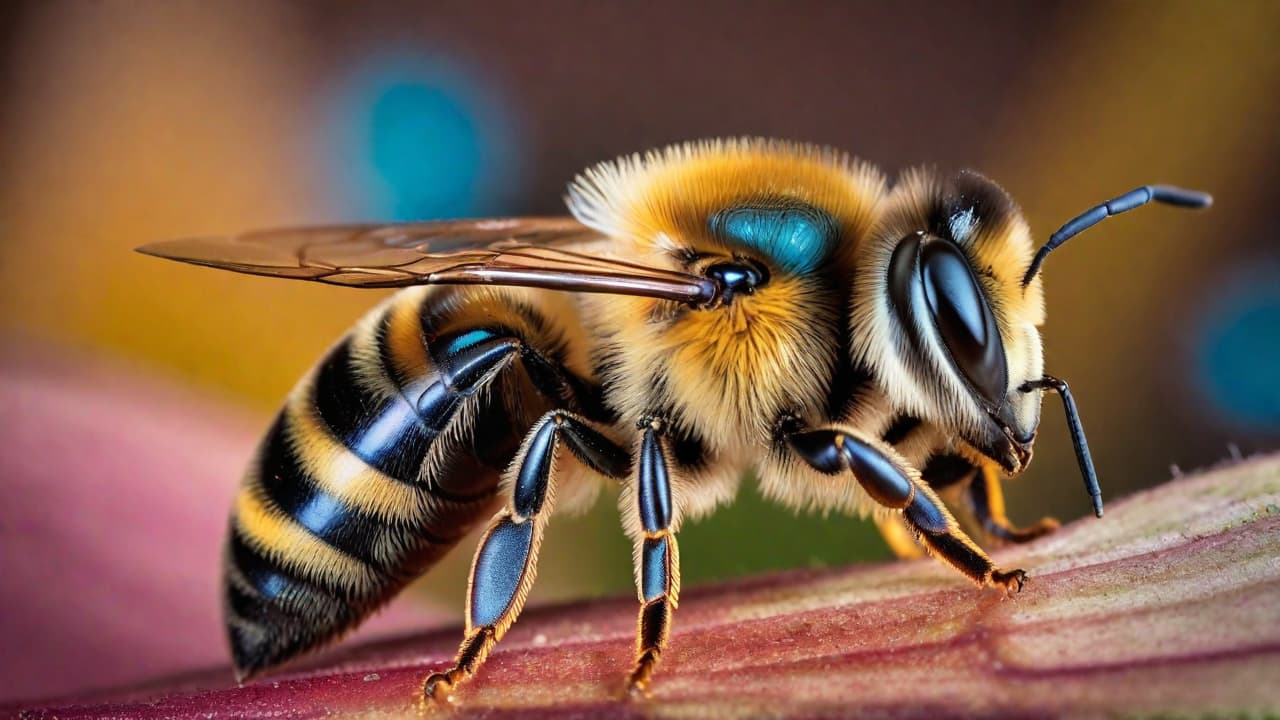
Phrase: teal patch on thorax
pixel 795 236
pixel 467 339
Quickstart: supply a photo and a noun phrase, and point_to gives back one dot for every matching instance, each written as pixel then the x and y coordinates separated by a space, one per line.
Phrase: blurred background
pixel 134 390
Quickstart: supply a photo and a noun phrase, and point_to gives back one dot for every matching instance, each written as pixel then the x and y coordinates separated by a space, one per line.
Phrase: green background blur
pixel 125 122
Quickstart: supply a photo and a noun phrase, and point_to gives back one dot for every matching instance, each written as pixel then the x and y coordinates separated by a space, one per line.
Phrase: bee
pixel 710 309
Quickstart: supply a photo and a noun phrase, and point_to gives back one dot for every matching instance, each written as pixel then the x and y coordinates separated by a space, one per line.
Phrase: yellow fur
pixel 667 195
pixel 292 545
pixel 728 372
pixel 344 475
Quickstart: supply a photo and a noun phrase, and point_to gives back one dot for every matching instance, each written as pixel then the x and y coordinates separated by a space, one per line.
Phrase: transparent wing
pixel 558 253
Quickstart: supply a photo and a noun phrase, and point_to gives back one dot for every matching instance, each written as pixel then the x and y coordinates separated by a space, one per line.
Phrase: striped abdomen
pixel 380 461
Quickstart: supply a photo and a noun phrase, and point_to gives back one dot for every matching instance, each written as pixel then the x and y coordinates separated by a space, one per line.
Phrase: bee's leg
pixel 891 481
pixel 987 498
pixel 657 556
pixel 899 536
pixel 505 564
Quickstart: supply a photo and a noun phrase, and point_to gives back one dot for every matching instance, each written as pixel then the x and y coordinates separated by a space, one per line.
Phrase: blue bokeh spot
pixel 1240 352
pixel 424 144
pixel 420 138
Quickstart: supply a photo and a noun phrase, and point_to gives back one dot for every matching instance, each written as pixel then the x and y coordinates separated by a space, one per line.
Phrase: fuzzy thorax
pixel 663 201
pixel 726 371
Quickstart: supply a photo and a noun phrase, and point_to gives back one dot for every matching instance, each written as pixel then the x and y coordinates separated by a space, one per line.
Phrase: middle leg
pixel 657 555
pixel 505 564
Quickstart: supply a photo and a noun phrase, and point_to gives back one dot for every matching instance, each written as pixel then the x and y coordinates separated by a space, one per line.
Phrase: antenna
pixel 1134 198
pixel 1077 435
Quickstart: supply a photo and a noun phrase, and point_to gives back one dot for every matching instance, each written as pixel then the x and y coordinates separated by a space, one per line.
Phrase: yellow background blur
pixel 126 122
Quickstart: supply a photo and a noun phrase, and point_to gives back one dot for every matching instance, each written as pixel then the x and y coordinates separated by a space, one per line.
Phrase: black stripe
pixel 365 537
pixel 247 603
pixel 688 449
pixel 276 583
pixel 386 434
pixel 384 352
pixel 849 380
pixel 900 429
pixel 267 630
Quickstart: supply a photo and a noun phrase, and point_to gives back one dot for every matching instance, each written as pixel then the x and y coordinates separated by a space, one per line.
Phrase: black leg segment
pixel 589 446
pixel 505 563
pixel 653 485
pixel 499 567
pixel 938 531
pixel 832 451
pixel 657 555
pixel 891 482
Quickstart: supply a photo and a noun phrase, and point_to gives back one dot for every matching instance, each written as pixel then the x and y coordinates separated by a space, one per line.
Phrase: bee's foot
pixel 637 690
pixel 1002 532
pixel 438 687
pixel 1011 580
pixel 638 681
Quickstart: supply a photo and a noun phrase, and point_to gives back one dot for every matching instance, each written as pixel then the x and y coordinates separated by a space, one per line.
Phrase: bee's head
pixel 947 302
pixel 940 312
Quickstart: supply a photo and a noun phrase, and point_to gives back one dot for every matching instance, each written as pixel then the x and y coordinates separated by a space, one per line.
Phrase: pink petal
pixel 116 497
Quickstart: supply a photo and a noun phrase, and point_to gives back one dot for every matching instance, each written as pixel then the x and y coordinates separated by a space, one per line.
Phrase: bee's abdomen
pixel 364 480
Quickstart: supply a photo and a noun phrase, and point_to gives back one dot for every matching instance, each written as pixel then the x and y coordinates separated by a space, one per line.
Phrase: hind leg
pixel 506 562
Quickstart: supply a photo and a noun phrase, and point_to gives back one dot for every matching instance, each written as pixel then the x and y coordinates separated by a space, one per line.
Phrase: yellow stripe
pixel 366 358
pixel 408 349
pixel 341 473
pixel 291 545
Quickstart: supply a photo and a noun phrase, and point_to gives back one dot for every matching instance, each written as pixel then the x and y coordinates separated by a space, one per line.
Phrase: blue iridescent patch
pixel 653 574
pixel 466 339
pixel 795 236
pixel 498 570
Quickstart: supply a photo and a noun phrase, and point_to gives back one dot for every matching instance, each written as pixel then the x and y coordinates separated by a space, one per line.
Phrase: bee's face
pixel 953 332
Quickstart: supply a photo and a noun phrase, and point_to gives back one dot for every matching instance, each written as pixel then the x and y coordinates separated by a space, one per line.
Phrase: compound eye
pixel 963 318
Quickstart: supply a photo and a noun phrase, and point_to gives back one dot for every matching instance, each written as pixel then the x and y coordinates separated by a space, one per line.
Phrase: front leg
pixel 657 556
pixel 987 498
pixel 893 483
